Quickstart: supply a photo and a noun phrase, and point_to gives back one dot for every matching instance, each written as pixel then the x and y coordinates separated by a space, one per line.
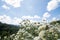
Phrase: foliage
pixel 7 30
pixel 49 34
pixel 54 22
pixel 35 31
pixel 27 31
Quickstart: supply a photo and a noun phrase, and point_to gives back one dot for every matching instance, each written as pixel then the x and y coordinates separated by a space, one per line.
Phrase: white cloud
pixel 5 19
pixel 15 20
pixel 5 7
pixel 46 15
pixel 9 20
pixel 53 4
pixel 31 17
pixel 54 19
pixel 26 17
pixel 36 16
pixel 14 3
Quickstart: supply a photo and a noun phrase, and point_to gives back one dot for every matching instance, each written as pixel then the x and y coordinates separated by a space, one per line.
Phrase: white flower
pixel 42 27
pixel 58 39
pixel 37 38
pixel 12 35
pixel 27 27
pixel 0 37
pixel 5 37
pixel 42 34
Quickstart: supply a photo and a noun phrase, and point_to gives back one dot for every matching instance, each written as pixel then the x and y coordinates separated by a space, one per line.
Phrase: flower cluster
pixel 35 31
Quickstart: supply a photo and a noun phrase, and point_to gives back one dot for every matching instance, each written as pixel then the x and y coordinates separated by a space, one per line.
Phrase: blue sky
pixel 30 9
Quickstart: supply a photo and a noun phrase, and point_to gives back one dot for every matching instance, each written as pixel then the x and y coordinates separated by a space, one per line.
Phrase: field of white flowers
pixel 35 31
